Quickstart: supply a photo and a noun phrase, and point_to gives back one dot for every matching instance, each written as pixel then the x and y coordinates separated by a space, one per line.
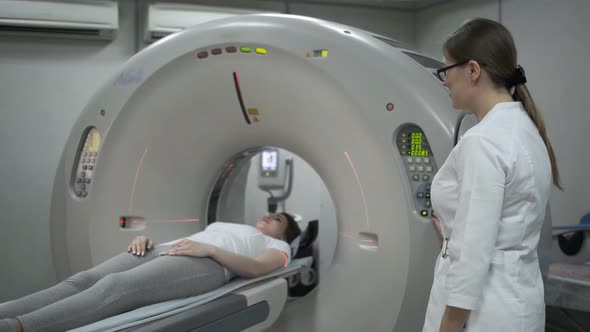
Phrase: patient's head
pixel 281 226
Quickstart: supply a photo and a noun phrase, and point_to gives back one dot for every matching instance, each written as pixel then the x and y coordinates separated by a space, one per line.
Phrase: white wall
pixel 434 24
pixel 554 46
pixel 44 85
pixel 396 24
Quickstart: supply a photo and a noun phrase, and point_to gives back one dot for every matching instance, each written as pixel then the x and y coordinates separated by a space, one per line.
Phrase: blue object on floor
pixel 584 225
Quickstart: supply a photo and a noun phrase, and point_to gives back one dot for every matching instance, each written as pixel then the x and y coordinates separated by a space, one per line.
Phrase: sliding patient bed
pixel 241 304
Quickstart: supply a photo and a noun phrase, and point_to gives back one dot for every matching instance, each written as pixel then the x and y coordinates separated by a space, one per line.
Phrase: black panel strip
pixel 87 32
pixel 239 92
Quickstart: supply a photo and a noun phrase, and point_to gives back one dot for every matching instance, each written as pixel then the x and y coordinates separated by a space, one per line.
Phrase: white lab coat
pixel 490 196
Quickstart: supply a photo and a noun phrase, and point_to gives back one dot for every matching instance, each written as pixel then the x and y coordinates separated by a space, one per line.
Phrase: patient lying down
pixel 149 274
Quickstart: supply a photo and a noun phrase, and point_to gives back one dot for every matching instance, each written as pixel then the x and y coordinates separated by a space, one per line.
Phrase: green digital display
pixel 416 147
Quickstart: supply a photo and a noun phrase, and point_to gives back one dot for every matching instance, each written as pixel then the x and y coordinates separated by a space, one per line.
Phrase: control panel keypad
pixel 82 177
pixel 420 165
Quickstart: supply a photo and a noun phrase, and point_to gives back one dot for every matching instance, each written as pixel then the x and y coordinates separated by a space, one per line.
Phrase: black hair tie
pixel 518 77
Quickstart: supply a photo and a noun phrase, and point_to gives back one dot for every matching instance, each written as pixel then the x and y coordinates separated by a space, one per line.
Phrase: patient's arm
pixel 245 267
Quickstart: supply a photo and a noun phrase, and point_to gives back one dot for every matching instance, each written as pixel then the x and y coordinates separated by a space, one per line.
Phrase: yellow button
pixel 260 50
pixel 324 53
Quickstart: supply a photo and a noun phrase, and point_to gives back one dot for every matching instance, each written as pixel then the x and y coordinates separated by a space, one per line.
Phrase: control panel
pixel 86 162
pixel 419 163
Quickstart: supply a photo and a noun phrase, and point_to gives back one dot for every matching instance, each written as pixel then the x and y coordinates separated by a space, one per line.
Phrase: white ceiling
pixel 393 4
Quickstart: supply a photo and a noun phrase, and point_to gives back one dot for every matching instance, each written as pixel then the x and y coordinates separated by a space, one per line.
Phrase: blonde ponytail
pixel 522 94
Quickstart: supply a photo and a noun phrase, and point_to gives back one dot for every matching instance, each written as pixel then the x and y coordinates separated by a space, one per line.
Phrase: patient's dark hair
pixel 292 231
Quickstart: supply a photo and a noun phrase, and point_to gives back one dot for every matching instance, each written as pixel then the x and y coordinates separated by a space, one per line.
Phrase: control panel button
pixel 426 177
pixel 410 160
pixel 418 160
pixel 428 203
pixel 416 177
pixel 83 174
pixel 426 160
pixel 88 181
pixel 429 169
pixel 84 167
pixel 420 168
pixel 79 180
pixel 412 168
pixel 90 167
pixel 424 213
pixel 427 195
pixel 428 187
pixel 420 195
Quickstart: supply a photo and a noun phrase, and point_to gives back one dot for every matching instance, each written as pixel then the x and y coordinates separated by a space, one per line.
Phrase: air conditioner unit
pixel 164 19
pixel 90 19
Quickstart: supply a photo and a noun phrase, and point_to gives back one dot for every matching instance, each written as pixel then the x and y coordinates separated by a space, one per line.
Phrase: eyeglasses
pixel 442 73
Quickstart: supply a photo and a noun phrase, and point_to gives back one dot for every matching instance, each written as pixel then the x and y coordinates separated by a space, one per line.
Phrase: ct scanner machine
pixel 151 153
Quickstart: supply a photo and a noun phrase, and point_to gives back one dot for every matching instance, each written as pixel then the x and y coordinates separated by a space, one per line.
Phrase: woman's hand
pixel 190 248
pixel 140 245
pixel 436 223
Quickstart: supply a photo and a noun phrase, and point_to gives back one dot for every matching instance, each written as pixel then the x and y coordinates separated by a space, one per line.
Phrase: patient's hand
pixel 140 245
pixel 190 248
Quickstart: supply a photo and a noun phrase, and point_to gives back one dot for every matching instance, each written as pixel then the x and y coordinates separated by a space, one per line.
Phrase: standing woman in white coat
pixel 491 193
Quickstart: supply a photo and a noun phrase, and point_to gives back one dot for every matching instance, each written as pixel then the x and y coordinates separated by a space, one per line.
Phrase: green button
pixel 427 203
pixel 420 195
pixel 246 49
pixel 427 195
pixel 416 177
pixel 426 177
pixel 424 213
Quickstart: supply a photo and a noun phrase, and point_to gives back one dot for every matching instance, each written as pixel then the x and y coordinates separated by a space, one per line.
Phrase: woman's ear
pixel 474 70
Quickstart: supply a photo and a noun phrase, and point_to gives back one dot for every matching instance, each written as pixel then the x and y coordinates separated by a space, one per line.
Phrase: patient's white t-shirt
pixel 240 239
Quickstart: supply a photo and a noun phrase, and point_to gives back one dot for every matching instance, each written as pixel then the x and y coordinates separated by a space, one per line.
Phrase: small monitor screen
pixel 417 145
pixel 270 161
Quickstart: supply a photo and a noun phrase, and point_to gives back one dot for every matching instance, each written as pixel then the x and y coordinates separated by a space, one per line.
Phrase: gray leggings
pixel 120 284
